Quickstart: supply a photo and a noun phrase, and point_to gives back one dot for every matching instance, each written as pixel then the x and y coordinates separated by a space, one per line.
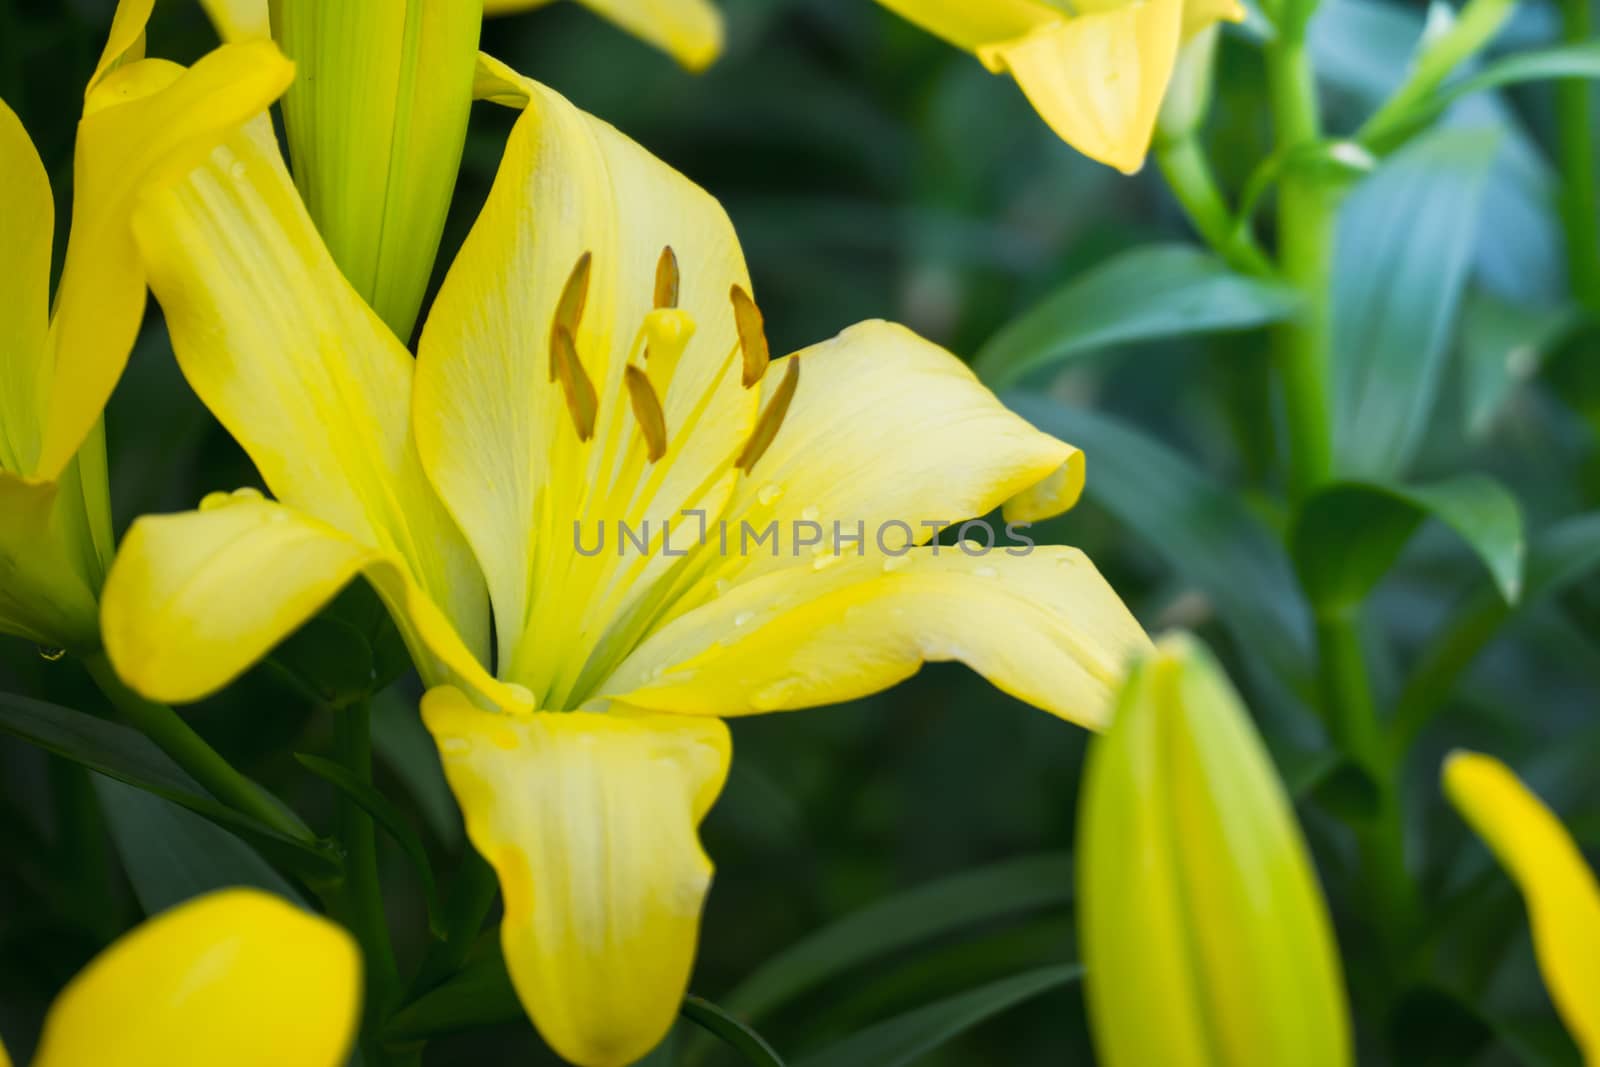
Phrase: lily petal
pixel 495 432
pixel 1044 627
pixel 1098 79
pixel 124 42
pixel 27 219
pixel 143 122
pixel 237 977
pixel 885 426
pixel 193 600
pixel 1562 894
pixel 690 31
pixel 973 26
pixel 301 371
pixel 239 20
pixel 590 822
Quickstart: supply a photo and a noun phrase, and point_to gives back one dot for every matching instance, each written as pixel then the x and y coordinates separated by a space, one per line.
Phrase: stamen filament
pixel 575 383
pixel 667 279
pixel 752 336
pixel 569 309
pixel 647 409
pixel 771 419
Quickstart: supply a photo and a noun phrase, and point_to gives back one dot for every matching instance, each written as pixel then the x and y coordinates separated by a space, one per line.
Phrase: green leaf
pixel 386 815
pixel 173 855
pixel 1502 345
pixel 733 1033
pixel 406 747
pixel 905 1038
pixel 1405 244
pixel 480 994
pixel 1348 535
pixel 1543 64
pixel 1560 557
pixel 128 756
pixel 1147 294
pixel 903 920
pixel 1202 531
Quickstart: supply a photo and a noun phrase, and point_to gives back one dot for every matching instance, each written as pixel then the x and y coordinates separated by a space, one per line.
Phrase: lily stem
pixel 360 900
pixel 472 894
pixel 1189 174
pixel 190 751
pixel 1580 211
pixel 1307 217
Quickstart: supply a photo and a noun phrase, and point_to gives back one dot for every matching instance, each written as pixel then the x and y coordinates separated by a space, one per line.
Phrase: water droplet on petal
pixel 824 562
pixel 769 494
pixel 985 572
pixel 238 169
pixel 520 693
pixel 810 513
pixel 743 618
pixel 896 563
pixel 52 655
pixel 723 585
pixel 454 745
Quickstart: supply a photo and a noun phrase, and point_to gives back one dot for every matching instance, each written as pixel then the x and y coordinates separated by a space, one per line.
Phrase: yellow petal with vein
pixel 1098 79
pixel 590 822
pixel 237 977
pixel 27 218
pixel 239 20
pixel 302 372
pixel 143 123
pixel 194 599
pixel 1561 892
pixel 497 436
pixel 1044 627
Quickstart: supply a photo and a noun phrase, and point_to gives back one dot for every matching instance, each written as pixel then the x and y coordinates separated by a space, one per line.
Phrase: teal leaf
pixel 901 921
pixel 1202 531
pixel 1405 244
pixel 1348 535
pixel 127 756
pixel 1148 294
pixel 904 1039
pixel 172 855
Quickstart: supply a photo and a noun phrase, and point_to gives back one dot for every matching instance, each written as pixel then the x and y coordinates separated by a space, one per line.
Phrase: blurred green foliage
pixel 873 172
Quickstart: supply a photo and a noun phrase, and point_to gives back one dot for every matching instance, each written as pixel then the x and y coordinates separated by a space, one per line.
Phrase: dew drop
pixel 769 494
pixel 723 585
pixel 743 618
pixel 824 562
pixel 454 744
pixel 985 572
pixel 238 169
pixel 896 563
pixel 810 513
pixel 521 693
pixel 51 655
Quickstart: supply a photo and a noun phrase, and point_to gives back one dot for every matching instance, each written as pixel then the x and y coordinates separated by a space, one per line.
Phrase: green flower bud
pixel 1205 937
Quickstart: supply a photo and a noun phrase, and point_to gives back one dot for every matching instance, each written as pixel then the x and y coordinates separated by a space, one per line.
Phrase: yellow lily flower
pixel 1562 894
pixel 690 31
pixel 594 359
pixel 236 977
pixel 142 118
pixel 1096 72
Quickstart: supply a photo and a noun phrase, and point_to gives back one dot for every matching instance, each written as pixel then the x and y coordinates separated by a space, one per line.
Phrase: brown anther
pixel 752 336
pixel 575 384
pixel 569 309
pixel 667 279
pixel 647 409
pixel 771 419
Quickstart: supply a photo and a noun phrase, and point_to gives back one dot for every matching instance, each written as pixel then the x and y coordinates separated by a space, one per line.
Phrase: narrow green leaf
pixel 1561 556
pixel 173 855
pixel 905 1038
pixel 1147 294
pixel 1405 243
pixel 1202 531
pixel 903 920
pixel 480 994
pixel 751 1046
pixel 386 815
pixel 1347 536
pixel 128 756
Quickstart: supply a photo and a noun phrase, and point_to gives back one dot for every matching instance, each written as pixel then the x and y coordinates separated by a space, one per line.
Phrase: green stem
pixel 1189 174
pixel 360 899
pixel 1306 216
pixel 472 894
pixel 1580 211
pixel 190 751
